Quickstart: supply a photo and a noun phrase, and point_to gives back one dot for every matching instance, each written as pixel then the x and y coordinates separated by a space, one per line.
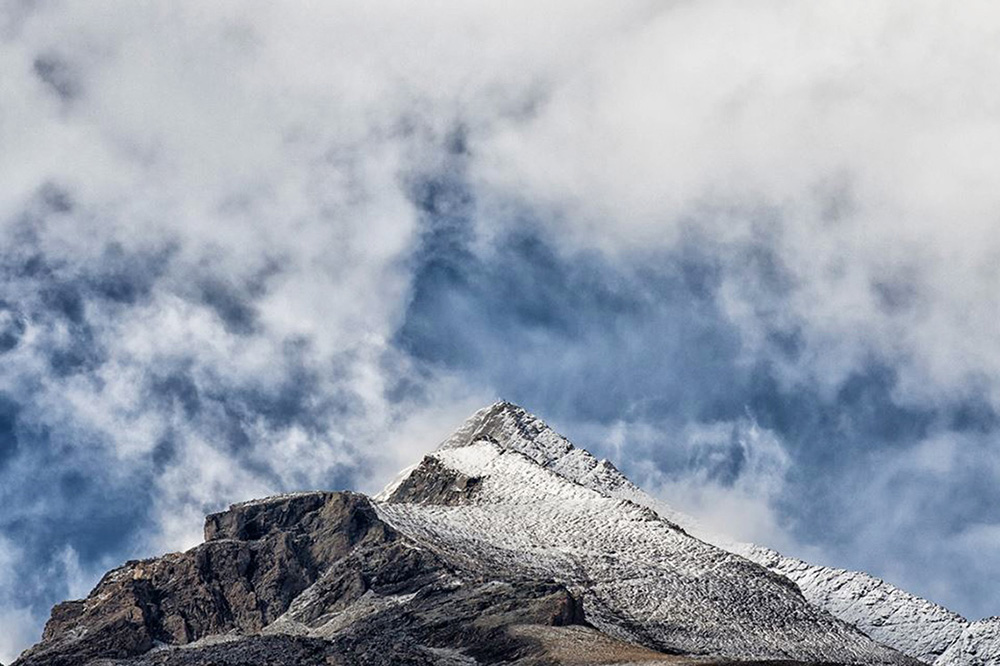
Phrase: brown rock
pixel 259 556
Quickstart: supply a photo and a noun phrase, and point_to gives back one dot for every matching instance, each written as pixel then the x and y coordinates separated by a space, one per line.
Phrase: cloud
pixel 18 622
pixel 849 142
pixel 205 234
pixel 936 502
pixel 749 253
pixel 727 474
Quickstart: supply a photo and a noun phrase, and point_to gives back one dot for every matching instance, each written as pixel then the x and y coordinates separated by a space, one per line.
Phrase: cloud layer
pixel 746 252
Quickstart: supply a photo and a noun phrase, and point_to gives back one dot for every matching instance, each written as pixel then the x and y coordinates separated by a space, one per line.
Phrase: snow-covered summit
pixel 519 501
pixel 892 616
pixel 513 428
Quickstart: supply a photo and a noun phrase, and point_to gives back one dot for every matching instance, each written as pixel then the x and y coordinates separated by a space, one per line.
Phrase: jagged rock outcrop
pixel 258 557
pixel 504 545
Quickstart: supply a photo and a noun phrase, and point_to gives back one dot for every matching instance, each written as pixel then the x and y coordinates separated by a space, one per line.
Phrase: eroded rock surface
pixel 259 557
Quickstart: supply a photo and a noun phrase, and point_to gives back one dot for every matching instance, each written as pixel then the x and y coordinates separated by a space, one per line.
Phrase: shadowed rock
pixel 258 558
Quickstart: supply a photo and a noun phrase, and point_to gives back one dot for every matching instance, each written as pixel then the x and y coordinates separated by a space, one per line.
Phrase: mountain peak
pixel 916 626
pixel 513 428
pixel 505 544
pixel 516 500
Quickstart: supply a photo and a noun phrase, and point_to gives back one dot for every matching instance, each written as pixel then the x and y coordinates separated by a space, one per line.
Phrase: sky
pixel 747 251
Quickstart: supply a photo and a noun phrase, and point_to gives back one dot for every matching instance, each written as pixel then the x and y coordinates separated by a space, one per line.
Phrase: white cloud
pixel 856 141
pixel 264 151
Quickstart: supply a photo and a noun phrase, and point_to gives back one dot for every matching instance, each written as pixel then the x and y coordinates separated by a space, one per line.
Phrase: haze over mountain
pixel 505 544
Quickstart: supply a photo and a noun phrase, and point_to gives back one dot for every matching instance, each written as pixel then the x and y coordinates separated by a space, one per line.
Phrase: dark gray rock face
pixel 248 651
pixel 433 483
pixel 258 558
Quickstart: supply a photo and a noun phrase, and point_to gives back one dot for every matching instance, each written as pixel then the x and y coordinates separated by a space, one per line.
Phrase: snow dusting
pixel 588 521
pixel 642 578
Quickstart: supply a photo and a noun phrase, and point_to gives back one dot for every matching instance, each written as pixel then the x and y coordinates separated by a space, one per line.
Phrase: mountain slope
pixel 910 624
pixel 979 645
pixel 640 578
pixel 888 614
pixel 312 578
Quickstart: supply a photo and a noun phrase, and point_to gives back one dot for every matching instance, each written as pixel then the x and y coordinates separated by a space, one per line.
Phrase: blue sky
pixel 747 254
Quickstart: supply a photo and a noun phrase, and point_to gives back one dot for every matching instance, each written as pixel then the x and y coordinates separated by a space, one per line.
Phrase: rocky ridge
pixel 888 614
pixel 505 545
